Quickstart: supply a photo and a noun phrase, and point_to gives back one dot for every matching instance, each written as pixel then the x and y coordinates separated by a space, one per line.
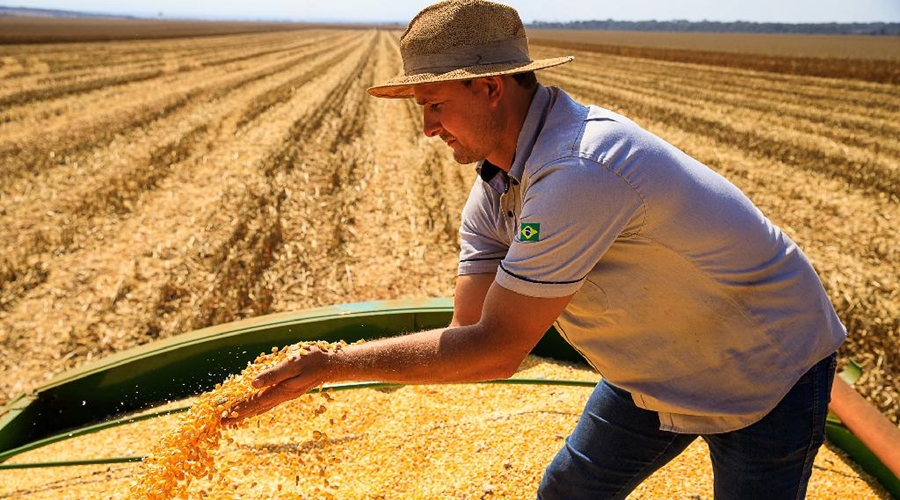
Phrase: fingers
pixel 256 406
pixel 285 370
pixel 287 380
pixel 271 397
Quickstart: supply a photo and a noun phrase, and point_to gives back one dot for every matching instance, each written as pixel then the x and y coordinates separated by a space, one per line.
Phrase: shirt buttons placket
pixel 508 215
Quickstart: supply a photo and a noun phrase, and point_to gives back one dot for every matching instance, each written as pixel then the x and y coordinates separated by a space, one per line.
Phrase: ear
pixel 495 86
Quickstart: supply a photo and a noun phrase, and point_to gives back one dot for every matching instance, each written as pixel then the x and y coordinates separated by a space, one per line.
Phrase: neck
pixel 515 110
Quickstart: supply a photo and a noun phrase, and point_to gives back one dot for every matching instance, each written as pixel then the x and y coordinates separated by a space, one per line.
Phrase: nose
pixel 432 126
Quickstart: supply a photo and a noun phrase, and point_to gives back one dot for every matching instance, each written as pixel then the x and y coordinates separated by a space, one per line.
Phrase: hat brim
pixel 402 86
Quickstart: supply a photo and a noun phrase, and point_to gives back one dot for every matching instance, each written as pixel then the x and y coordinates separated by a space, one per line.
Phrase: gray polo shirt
pixel 685 293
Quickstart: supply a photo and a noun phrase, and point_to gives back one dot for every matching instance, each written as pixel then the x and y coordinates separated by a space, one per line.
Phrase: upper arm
pixel 513 324
pixel 483 242
pixel 576 209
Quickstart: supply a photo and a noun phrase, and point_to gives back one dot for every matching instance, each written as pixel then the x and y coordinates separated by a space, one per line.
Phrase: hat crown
pixel 457 40
pixel 452 24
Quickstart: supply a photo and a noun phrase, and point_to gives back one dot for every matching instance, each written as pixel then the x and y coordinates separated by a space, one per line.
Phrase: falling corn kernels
pixel 182 454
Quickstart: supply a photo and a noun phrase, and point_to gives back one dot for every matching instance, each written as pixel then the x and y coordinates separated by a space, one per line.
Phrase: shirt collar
pixel 534 121
pixel 493 176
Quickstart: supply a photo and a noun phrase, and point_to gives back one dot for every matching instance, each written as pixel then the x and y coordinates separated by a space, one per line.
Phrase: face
pixel 462 116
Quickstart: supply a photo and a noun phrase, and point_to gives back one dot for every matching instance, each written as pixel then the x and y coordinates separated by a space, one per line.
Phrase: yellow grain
pixel 186 453
pixel 413 442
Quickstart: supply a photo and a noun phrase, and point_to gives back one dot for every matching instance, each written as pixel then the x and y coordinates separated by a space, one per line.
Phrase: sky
pixel 368 11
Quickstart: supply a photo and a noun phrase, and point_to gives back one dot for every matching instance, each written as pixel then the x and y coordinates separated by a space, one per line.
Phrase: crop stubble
pixel 867 58
pixel 251 174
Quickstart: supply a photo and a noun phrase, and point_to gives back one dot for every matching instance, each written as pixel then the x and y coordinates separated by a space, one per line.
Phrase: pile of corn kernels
pixel 186 453
pixel 464 441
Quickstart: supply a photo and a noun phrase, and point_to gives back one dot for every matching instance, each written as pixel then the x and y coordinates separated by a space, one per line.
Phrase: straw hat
pixel 459 40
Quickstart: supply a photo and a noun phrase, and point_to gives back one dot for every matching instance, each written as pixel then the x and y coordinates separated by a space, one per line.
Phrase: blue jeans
pixel 617 445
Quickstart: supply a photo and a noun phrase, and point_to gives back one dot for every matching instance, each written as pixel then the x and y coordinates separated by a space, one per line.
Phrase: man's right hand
pixel 291 378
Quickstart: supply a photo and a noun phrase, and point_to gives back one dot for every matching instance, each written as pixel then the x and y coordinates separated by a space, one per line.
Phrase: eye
pixel 435 106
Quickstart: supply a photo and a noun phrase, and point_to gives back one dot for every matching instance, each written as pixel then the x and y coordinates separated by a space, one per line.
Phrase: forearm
pixel 453 354
pixel 490 349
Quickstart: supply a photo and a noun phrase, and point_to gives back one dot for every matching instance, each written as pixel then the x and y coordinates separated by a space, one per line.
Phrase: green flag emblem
pixel 529 231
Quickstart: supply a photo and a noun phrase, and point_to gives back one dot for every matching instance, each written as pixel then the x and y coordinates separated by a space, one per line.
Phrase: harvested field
pixel 884 48
pixel 15 29
pixel 230 184
pixel 148 188
pixel 867 58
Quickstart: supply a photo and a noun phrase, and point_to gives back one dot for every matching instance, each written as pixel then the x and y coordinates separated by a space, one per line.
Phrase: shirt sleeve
pixel 573 210
pixel 482 244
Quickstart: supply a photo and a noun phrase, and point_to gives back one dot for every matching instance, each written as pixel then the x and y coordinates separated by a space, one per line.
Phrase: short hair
pixel 527 80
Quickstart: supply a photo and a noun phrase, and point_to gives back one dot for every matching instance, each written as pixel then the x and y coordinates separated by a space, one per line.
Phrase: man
pixel 702 317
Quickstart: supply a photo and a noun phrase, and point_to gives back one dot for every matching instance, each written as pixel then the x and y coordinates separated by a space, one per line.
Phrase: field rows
pixel 863 58
pixel 158 187
pixel 806 138
pixel 125 169
pixel 195 216
pixel 77 124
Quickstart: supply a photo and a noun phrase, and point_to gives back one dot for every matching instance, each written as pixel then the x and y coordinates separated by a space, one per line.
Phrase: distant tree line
pixel 30 12
pixel 881 29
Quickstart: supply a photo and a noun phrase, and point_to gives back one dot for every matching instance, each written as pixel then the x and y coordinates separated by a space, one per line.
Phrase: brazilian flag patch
pixel 529 231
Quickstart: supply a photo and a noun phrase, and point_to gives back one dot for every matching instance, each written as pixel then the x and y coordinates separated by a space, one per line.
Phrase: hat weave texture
pixel 459 40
